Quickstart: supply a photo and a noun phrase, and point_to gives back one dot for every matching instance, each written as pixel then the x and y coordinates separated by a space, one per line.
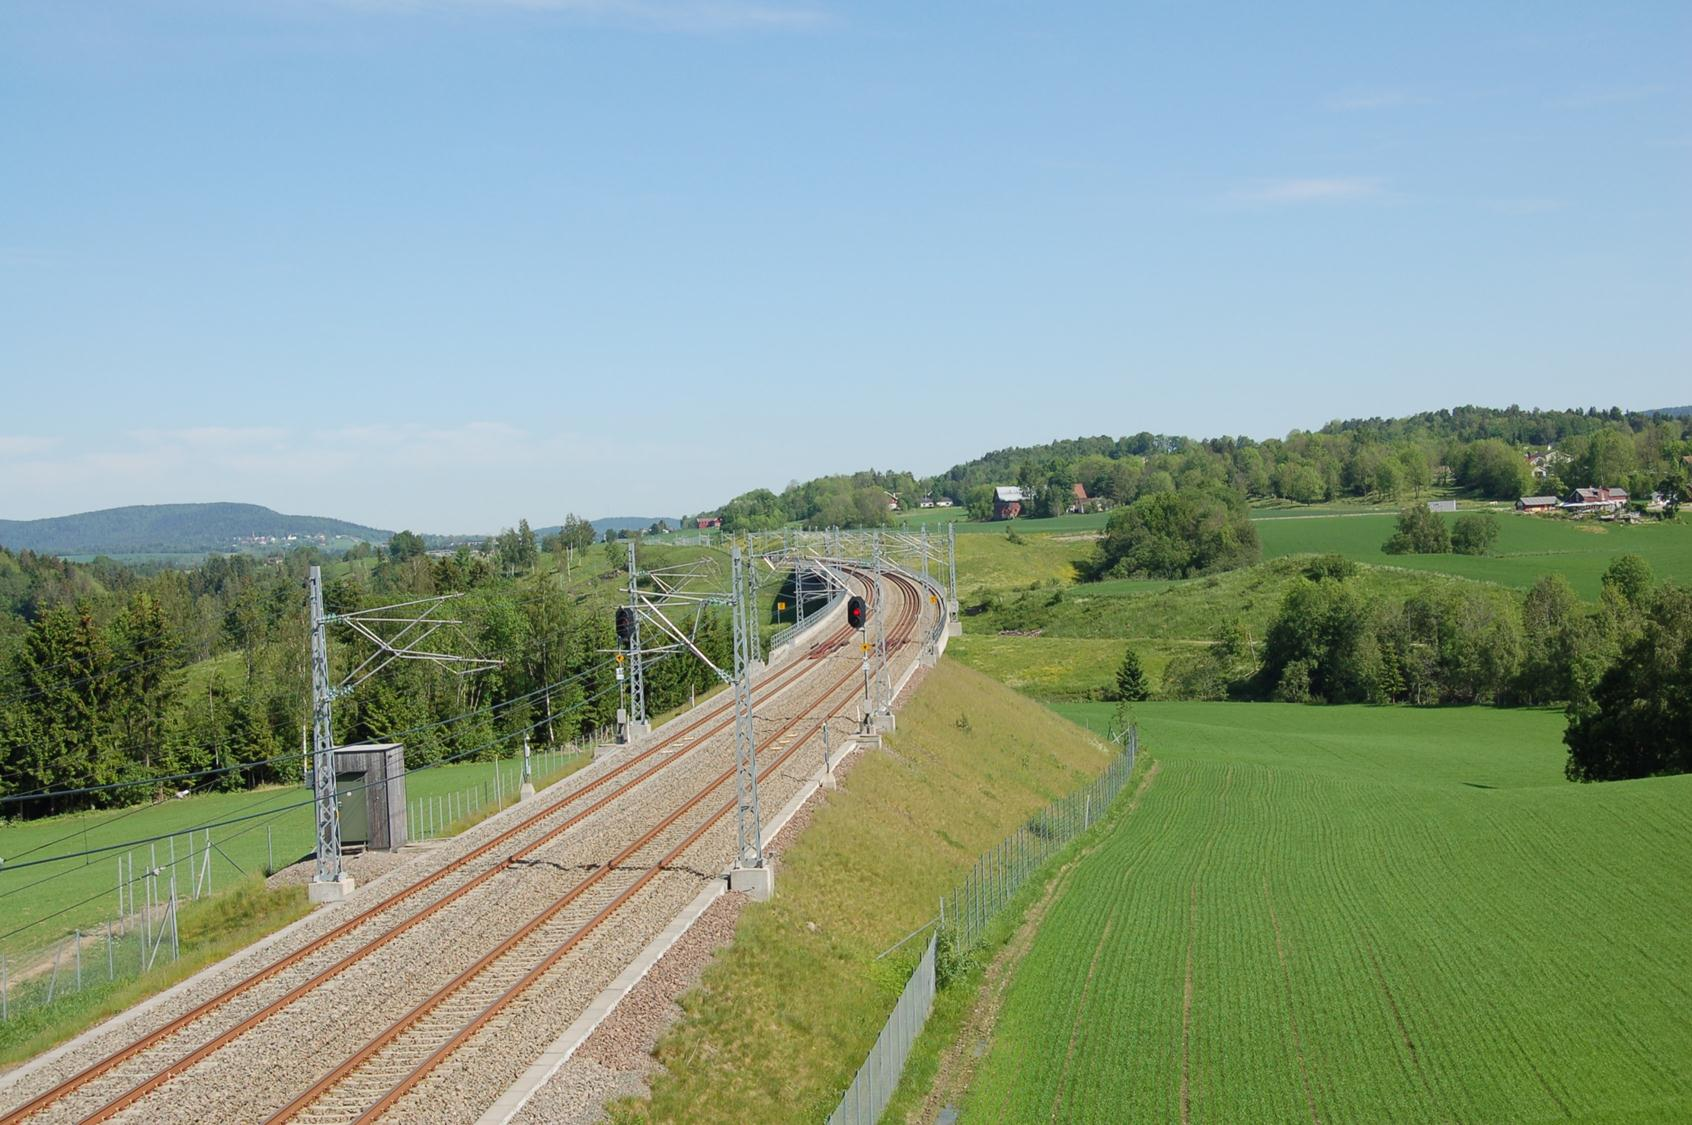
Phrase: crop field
pixel 1360 914
pixel 1527 547
pixel 44 903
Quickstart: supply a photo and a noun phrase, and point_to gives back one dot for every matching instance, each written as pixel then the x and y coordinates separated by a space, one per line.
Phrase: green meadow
pixel 1359 914
pixel 251 829
pixel 1527 547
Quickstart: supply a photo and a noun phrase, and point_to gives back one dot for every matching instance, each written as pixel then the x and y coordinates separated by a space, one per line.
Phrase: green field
pixel 44 903
pixel 1528 547
pixel 1360 914
pixel 1056 668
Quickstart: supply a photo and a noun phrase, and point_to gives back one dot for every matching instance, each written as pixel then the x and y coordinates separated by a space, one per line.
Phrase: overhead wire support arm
pixel 400 645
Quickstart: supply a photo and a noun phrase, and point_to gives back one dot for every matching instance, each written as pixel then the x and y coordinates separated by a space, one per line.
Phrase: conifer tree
pixel 1130 678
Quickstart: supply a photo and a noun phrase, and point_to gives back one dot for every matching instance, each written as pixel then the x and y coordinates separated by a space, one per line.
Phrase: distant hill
pixel 1673 411
pixel 615 523
pixel 175 529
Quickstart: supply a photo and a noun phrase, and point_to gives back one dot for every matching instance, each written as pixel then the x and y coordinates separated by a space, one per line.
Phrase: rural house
pixel 1596 499
pixel 1007 502
pixel 1078 503
pixel 705 522
pixel 1538 504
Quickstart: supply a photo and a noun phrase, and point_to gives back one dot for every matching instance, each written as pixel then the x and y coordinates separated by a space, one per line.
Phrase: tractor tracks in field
pixel 1192 938
pixel 1292 1008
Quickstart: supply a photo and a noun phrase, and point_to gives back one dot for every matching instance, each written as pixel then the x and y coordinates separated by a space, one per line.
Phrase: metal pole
pixel 798 593
pixel 637 671
pixel 323 738
pixel 754 611
pixel 883 683
pixel 750 851
pixel 78 940
pixel 269 852
pixel 952 566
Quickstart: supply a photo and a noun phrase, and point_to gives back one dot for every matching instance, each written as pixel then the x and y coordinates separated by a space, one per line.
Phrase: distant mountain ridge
pixel 1672 411
pixel 174 529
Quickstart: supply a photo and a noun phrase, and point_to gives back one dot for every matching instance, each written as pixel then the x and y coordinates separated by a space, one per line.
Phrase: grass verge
pixel 210 930
pixel 783 1018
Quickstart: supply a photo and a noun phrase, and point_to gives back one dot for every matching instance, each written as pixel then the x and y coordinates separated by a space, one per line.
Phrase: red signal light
pixel 856 612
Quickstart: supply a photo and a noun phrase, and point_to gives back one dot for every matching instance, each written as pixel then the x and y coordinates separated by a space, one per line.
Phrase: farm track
pixel 497 922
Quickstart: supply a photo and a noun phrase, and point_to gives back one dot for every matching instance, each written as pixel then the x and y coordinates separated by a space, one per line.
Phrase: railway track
pixel 454 1013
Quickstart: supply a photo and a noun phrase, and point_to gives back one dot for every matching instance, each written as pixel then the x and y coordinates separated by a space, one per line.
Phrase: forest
pixel 120 686
pixel 1478 450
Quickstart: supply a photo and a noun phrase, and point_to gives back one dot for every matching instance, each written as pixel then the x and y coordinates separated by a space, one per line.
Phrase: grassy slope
pixel 209 931
pixel 785 1016
pixel 1360 914
pixel 1083 626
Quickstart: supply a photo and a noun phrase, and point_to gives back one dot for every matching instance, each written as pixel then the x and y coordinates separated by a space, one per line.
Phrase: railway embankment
pixel 777 1020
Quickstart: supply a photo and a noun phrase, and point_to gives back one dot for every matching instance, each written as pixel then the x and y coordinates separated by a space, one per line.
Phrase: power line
pixel 292 755
pixel 308 802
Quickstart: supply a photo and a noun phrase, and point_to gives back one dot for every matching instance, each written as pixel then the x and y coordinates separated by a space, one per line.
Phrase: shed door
pixel 353 799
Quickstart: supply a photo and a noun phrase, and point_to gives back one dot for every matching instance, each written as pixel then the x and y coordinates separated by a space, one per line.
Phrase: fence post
pixel 111 960
pixel 5 990
pixel 78 940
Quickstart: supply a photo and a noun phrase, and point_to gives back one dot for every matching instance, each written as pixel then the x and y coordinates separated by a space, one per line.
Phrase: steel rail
pixel 446 991
pixel 776 681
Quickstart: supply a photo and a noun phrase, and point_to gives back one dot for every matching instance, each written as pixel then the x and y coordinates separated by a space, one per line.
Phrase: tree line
pixel 1478 449
pixel 109 675
pixel 1622 668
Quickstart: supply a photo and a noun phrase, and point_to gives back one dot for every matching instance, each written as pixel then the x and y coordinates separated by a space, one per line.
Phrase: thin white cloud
pixel 1595 97
pixel 1527 205
pixel 1377 99
pixel 652 15
pixel 25 445
pixel 212 437
pixel 1314 189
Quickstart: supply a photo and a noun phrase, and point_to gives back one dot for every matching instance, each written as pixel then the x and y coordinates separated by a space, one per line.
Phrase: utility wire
pixel 44 793
pixel 208 775
pixel 108 848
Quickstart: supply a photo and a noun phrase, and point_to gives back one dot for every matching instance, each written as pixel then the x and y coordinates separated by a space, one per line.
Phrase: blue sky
pixel 445 263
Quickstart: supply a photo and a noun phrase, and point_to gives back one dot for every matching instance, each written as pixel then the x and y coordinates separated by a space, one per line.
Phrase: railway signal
pixel 856 612
pixel 625 624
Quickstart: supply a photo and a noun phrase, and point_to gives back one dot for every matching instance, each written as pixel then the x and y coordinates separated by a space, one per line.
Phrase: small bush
pixel 1475 534
pixel 1420 532
pixel 1329 566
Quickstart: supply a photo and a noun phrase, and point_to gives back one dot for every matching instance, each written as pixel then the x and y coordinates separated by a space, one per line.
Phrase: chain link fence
pixel 963 919
pixel 1001 872
pixel 876 1080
